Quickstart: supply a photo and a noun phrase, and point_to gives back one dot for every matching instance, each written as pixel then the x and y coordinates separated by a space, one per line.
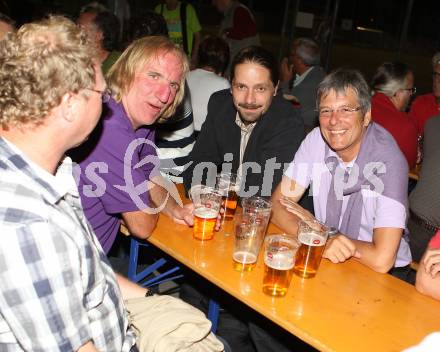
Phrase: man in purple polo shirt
pixel 120 176
pixel 358 177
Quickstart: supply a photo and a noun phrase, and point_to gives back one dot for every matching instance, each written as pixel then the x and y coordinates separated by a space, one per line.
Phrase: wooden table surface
pixel 346 307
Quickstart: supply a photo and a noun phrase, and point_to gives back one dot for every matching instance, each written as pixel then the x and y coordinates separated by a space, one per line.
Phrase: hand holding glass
pixel 207 202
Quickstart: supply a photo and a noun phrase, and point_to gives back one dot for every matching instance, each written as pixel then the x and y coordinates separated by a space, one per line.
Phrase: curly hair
pixel 39 64
pixel 139 53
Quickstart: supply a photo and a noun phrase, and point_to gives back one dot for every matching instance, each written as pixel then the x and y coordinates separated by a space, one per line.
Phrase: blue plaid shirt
pixel 57 289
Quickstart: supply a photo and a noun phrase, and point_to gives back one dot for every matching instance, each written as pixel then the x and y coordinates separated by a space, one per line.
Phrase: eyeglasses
pixel 343 111
pixel 411 91
pixel 105 94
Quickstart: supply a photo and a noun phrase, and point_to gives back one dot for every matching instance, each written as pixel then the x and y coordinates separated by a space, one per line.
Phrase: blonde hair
pixel 139 53
pixel 40 63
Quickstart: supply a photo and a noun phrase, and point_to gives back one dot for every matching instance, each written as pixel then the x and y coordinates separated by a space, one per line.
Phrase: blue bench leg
pixel 213 312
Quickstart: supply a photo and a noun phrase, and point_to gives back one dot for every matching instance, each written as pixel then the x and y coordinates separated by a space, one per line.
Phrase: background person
pixel 150 23
pixel 300 76
pixel 335 160
pixel 103 28
pixel 183 25
pixel 7 25
pixel 428 277
pixel 428 105
pixel 424 200
pixel 238 27
pixel 208 78
pixel 393 85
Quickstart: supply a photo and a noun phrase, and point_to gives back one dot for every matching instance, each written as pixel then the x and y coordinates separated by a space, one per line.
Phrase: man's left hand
pixel 340 248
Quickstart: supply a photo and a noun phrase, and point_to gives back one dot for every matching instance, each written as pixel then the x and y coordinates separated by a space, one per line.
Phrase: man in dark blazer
pixel 252 131
pixel 249 129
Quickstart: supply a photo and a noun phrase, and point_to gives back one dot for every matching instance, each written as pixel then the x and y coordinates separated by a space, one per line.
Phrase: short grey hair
pixel 340 81
pixel 307 50
pixel 436 59
pixel 390 77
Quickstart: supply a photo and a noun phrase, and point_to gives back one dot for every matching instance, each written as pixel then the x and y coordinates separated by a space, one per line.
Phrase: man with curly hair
pixel 58 291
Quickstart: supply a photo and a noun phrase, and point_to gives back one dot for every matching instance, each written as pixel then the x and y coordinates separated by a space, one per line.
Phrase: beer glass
pixel 279 256
pixel 227 184
pixel 250 228
pixel 312 237
pixel 207 202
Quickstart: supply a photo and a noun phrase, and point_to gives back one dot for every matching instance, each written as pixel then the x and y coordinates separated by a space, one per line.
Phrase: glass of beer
pixel 250 227
pixel 312 236
pixel 279 256
pixel 207 202
pixel 227 185
pixel 256 210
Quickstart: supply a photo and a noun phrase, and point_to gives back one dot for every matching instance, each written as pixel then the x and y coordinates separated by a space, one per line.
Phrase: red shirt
pixel 244 25
pixel 435 241
pixel 423 108
pixel 398 123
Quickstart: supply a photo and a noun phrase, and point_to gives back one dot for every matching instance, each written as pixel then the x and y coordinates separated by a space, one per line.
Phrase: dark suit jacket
pixel 306 94
pixel 277 134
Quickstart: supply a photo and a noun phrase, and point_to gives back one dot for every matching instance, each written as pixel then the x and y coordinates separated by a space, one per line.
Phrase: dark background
pixel 375 33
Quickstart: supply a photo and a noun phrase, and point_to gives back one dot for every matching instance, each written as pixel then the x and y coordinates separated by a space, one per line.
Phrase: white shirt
pixel 202 84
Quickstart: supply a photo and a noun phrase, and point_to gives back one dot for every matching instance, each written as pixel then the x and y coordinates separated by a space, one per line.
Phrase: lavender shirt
pixel 103 203
pixel 308 167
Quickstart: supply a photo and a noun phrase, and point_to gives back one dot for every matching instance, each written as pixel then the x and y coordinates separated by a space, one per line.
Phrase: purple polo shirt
pixel 308 168
pixel 109 173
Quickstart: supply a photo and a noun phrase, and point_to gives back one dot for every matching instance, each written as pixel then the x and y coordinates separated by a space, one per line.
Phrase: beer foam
pixel 311 239
pixel 244 257
pixel 205 213
pixel 279 261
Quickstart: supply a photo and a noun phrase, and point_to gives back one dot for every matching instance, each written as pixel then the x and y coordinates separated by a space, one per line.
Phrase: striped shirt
pixel 57 290
pixel 175 138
